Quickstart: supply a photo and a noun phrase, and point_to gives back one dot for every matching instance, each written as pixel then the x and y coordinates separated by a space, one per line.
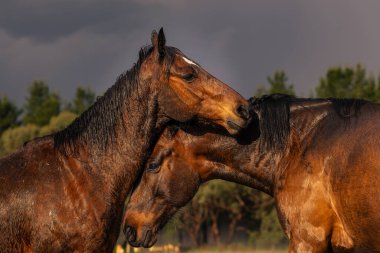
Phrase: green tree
pixel 219 202
pixel 348 82
pixel 41 104
pixel 13 138
pixel 268 233
pixel 191 219
pixel 278 83
pixel 8 114
pixel 58 122
pixel 84 98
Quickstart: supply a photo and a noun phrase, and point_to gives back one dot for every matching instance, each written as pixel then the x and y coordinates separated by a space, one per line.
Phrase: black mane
pixel 347 108
pixel 97 126
pixel 274 119
pixel 274 113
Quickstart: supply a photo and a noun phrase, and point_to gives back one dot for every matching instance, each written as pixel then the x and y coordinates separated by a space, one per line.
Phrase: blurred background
pixel 56 57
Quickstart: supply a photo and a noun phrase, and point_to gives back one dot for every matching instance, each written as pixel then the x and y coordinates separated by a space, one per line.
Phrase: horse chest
pixel 72 219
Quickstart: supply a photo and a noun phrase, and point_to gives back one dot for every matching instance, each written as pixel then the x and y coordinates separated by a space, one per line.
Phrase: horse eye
pixel 153 168
pixel 189 77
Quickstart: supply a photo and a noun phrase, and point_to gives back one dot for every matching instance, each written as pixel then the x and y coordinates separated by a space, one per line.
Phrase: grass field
pixel 169 248
pixel 227 249
pixel 236 251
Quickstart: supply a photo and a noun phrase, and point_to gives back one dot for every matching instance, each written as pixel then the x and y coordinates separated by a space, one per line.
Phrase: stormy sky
pixel 90 42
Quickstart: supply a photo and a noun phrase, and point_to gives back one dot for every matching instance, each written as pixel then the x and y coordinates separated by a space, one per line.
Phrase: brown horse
pixel 66 192
pixel 319 159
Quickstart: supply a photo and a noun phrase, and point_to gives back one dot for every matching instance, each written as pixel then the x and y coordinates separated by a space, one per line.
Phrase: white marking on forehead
pixel 189 61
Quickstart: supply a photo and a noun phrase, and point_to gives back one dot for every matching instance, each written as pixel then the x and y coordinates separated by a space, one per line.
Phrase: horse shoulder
pixel 305 208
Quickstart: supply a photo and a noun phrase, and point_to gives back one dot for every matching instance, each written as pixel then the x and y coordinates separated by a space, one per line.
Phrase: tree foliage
pixel 84 98
pixel 57 123
pixel 278 83
pixel 8 114
pixel 41 104
pixel 348 82
pixel 14 138
pixel 227 208
pixel 42 115
pixel 268 232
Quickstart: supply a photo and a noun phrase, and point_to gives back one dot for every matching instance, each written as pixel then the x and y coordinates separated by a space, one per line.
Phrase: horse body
pixel 53 202
pixel 327 196
pixel 318 158
pixel 66 192
pixel 47 199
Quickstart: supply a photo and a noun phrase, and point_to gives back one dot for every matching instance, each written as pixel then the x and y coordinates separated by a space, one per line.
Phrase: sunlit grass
pixel 169 248
pixel 238 249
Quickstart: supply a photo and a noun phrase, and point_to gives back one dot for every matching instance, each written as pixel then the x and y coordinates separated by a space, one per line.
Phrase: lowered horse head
pixel 167 184
pixel 187 91
pixel 182 160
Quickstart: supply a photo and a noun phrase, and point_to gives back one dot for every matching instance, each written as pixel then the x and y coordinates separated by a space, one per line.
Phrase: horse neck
pixel 305 119
pixel 256 166
pixel 116 168
pixel 245 164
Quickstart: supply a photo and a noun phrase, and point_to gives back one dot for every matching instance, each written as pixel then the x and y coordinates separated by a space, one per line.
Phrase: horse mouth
pixel 148 239
pixel 237 128
pixel 148 242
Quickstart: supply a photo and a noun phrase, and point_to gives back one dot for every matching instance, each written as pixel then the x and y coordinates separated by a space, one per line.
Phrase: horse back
pixel 24 176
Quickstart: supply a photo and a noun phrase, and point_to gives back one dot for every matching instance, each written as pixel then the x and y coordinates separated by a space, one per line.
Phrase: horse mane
pixel 347 108
pixel 98 124
pixel 274 119
pixel 274 113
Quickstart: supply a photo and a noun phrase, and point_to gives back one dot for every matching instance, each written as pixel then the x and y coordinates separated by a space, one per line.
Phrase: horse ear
pixel 154 38
pixel 161 42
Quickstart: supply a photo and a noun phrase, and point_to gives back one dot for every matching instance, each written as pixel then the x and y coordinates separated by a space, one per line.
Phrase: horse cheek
pixel 176 106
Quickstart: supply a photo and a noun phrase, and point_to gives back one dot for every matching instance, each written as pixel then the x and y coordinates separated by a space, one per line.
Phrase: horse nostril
pixel 243 111
pixel 130 233
pixel 148 238
pixel 126 229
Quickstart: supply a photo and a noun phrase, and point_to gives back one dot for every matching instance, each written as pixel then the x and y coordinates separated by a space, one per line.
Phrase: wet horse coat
pixel 66 192
pixel 319 159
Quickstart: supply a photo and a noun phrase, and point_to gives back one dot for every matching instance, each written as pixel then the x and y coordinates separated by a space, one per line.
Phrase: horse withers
pixel 65 192
pixel 318 158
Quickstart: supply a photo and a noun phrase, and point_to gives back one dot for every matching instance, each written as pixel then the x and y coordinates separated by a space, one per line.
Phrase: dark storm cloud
pixel 242 42
pixel 45 20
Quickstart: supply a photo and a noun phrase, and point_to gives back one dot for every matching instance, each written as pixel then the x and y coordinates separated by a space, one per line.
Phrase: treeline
pixel 44 112
pixel 221 212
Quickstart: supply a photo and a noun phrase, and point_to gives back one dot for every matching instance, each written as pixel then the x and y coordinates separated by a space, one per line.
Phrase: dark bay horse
pixel 319 159
pixel 65 192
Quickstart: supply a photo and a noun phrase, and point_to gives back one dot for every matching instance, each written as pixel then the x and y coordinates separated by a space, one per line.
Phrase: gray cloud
pixel 242 42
